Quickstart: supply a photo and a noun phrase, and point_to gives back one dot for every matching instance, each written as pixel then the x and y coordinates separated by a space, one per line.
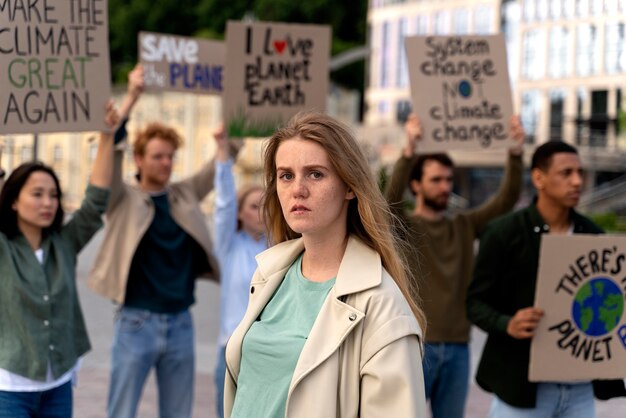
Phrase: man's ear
pixel 537 176
pixel 414 185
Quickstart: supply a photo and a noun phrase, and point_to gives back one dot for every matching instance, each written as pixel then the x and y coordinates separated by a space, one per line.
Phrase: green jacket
pixel 441 253
pixel 40 315
pixel 504 281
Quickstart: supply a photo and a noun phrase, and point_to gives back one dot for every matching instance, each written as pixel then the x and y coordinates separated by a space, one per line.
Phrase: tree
pixel 207 18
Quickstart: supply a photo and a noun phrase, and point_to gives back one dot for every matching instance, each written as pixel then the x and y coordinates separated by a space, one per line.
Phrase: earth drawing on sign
pixel 598 307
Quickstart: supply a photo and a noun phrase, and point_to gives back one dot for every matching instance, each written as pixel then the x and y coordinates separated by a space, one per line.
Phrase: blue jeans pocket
pixel 131 320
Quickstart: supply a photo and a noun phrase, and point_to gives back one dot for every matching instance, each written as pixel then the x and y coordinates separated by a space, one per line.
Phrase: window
pixel 530 10
pixel 440 23
pixel 460 22
pixel 531 108
pixel 581 123
pixel 582 7
pixel 542 9
pixel 597 7
pixel 586 50
pixel 611 6
pixel 384 55
pixel 403 109
pixel 557 100
pixel 421 25
pixel 615 54
pixel 533 58
pixel 569 8
pixel 483 20
pixel 556 9
pixel 57 153
pixel 402 73
pixel 383 107
pixel 598 124
pixel 559 53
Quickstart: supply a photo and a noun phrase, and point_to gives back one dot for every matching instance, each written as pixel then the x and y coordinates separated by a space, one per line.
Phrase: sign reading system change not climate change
pixel 54 65
pixel 460 91
pixel 274 71
pixel 581 286
pixel 178 63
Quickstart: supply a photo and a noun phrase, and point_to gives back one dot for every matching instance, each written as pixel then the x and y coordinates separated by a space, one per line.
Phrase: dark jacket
pixel 505 276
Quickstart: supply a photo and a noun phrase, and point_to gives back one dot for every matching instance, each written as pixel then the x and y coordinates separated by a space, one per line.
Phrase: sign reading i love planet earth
pixel 581 286
pixel 54 65
pixel 460 91
pixel 180 63
pixel 274 71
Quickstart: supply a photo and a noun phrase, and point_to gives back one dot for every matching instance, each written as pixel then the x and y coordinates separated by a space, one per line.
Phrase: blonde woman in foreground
pixel 329 331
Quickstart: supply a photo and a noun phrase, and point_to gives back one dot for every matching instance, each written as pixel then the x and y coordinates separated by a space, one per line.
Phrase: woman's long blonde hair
pixel 369 217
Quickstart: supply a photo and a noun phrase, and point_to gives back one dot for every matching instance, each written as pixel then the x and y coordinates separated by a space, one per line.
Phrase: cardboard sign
pixel 581 285
pixel 460 90
pixel 54 65
pixel 178 63
pixel 274 71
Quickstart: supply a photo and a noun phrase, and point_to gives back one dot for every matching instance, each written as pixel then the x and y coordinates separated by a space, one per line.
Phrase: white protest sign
pixel 460 91
pixel 581 285
pixel 54 65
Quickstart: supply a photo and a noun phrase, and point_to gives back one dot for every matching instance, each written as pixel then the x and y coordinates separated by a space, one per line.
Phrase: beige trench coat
pixel 363 355
pixel 128 217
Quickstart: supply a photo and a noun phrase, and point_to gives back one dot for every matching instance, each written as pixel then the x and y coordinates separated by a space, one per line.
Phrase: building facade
pixel 567 63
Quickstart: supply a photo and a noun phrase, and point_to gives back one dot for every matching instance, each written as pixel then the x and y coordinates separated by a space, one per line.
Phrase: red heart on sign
pixel 279 46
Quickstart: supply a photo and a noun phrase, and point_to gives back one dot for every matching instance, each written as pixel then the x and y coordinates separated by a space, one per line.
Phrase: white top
pixel 11 382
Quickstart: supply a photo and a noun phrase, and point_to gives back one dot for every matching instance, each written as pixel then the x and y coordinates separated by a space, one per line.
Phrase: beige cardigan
pixel 129 215
pixel 363 355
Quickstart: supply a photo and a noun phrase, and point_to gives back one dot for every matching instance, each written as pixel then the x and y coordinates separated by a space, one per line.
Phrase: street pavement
pixel 90 395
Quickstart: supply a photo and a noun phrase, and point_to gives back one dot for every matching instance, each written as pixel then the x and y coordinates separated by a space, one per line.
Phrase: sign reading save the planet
pixel 274 71
pixel 581 286
pixel 183 64
pixel 460 90
pixel 54 65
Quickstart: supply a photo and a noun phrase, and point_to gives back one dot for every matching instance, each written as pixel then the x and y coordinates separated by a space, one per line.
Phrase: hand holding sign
pixel 522 325
pixel 517 134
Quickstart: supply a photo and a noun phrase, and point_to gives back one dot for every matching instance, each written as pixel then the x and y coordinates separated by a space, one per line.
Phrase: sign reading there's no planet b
pixel 183 64
pixel 54 65
pixel 275 70
pixel 460 90
pixel 581 285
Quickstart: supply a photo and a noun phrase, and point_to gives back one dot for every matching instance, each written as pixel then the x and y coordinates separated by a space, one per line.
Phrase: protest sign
pixel 54 65
pixel 581 285
pixel 183 64
pixel 460 91
pixel 274 71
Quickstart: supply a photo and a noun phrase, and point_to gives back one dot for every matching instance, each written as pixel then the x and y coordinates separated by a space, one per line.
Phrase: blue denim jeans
pixel 220 375
pixel 53 403
pixel 446 378
pixel 144 340
pixel 554 400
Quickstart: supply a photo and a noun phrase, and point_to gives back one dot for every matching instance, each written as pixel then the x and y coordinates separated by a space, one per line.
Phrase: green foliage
pixel 242 127
pixel 207 19
pixel 621 122
pixel 610 222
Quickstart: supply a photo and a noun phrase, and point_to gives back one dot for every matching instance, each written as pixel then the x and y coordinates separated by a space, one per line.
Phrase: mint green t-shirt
pixel 273 344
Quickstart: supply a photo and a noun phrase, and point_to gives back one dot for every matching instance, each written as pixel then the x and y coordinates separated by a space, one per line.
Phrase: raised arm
pixel 225 212
pixel 511 185
pixel 102 172
pixel 87 219
pixel 402 169
pixel 133 92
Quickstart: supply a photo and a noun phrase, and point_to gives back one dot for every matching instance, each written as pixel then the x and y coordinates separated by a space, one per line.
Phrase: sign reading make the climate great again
pixel 54 65
pixel 460 91
pixel 581 285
